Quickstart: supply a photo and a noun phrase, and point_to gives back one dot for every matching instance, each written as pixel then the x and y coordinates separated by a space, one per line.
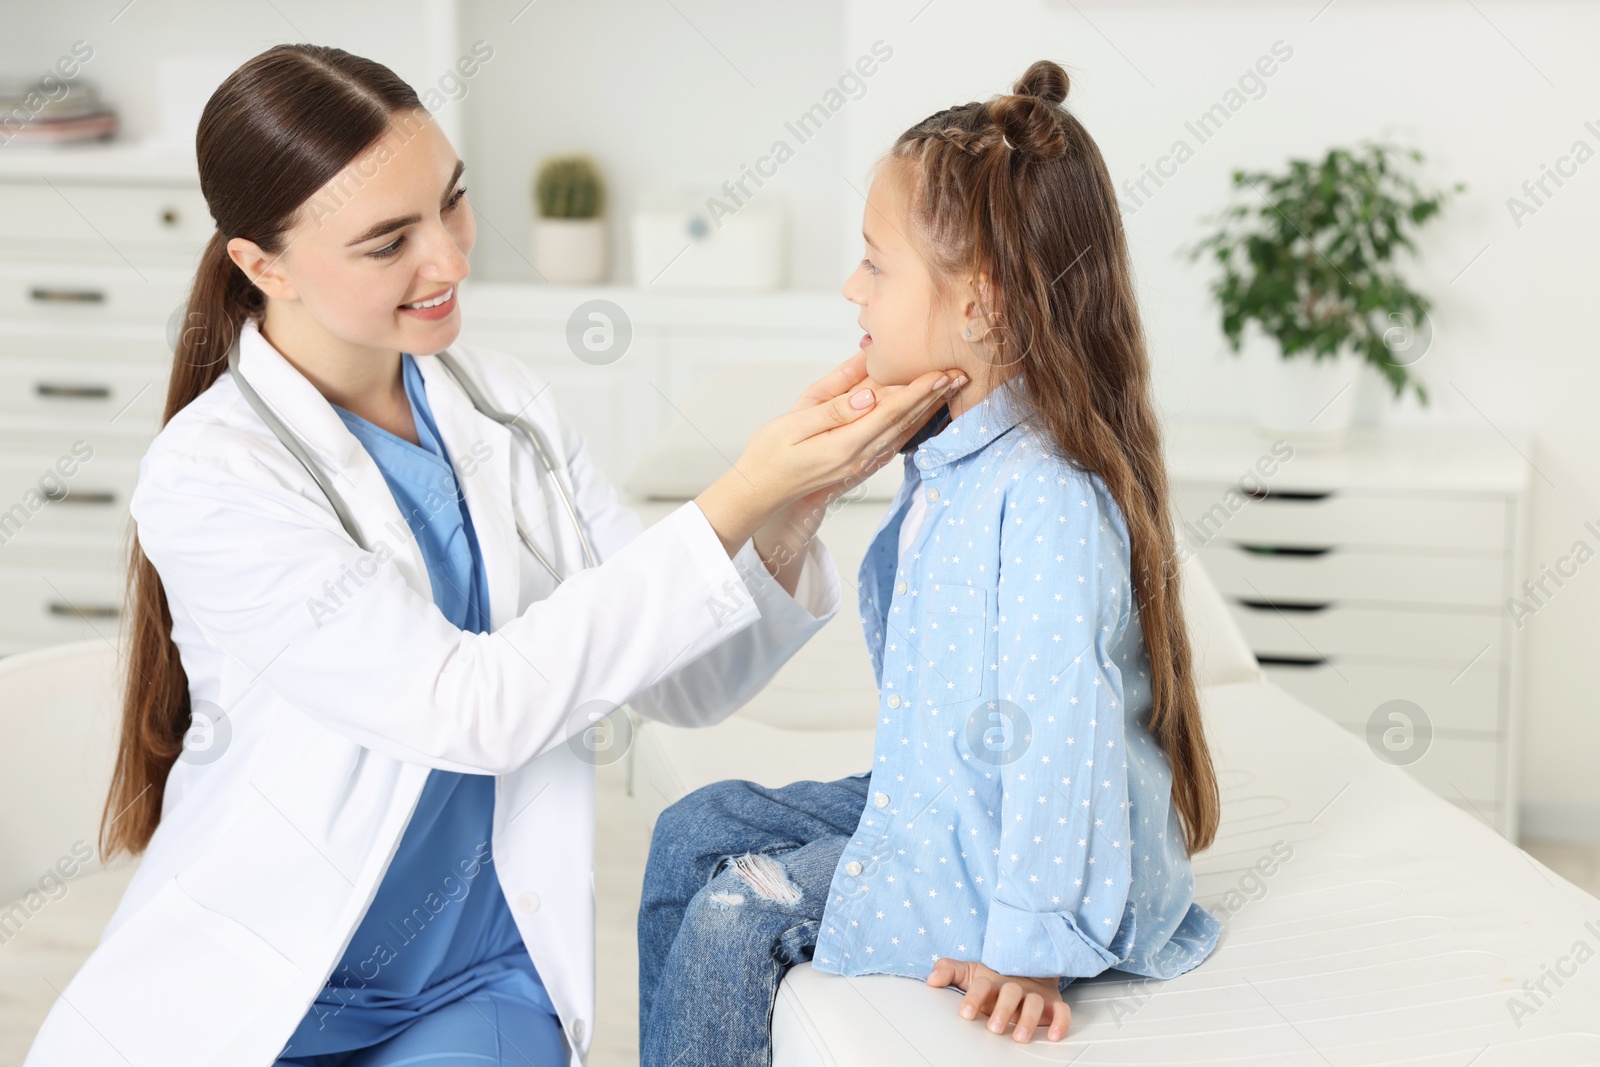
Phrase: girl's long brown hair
pixel 1015 187
pixel 271 136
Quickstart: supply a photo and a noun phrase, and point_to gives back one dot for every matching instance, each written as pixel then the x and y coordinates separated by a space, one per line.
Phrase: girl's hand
pixel 1002 997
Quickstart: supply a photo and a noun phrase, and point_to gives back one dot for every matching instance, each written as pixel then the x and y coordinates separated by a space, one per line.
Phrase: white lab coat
pixel 342 685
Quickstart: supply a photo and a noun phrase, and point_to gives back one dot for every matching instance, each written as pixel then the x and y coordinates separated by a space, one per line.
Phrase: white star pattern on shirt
pixel 1004 634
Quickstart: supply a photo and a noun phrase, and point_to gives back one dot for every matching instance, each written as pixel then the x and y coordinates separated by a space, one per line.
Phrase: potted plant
pixel 569 232
pixel 1308 276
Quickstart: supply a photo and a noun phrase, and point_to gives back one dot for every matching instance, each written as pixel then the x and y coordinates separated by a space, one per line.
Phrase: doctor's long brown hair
pixel 273 134
pixel 1015 187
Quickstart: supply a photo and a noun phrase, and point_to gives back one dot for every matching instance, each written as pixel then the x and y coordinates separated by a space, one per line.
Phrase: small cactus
pixel 569 187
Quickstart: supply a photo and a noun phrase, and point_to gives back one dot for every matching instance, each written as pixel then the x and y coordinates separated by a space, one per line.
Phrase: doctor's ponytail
pixel 274 133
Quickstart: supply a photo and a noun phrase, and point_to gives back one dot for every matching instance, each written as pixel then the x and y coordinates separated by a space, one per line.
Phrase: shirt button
pixel 894 700
pixel 933 494
pixel 881 799
pixel 528 902
pixel 852 868
pixel 900 587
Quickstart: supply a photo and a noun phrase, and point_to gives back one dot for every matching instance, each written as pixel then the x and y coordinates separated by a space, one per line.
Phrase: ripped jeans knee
pixel 756 874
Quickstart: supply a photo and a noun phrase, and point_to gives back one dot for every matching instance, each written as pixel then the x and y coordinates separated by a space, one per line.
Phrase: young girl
pixel 1040 776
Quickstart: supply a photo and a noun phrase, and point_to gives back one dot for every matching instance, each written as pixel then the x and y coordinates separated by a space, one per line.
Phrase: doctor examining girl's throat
pixel 391 231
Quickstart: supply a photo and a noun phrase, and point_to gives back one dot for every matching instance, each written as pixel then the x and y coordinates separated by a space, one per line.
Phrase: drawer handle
pixel 1285 605
pixel 58 391
pixel 103 611
pixel 81 496
pixel 1285 494
pixel 1291 661
pixel 68 296
pixel 1286 550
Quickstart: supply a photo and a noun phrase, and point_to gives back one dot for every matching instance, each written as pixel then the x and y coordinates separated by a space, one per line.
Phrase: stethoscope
pixel 512 422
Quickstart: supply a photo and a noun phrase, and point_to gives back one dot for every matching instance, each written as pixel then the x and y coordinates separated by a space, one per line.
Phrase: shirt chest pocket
pixel 956 624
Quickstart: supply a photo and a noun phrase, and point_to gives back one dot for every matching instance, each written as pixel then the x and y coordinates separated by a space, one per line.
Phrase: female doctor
pixel 382 853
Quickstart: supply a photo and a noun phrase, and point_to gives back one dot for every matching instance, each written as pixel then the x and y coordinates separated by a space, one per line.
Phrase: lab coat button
pixel 852 868
pixel 900 587
pixel 894 700
pixel 528 902
pixel 881 799
pixel 577 1031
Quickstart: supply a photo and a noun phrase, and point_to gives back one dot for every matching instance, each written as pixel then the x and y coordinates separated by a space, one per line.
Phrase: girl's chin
pixel 883 371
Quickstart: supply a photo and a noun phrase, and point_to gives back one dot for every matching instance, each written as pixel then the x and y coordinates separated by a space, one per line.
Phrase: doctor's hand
pixel 1002 998
pixel 843 428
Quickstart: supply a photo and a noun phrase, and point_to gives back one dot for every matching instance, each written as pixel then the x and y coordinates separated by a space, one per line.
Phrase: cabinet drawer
pixel 91 292
pixel 46 604
pixel 1349 692
pixel 105 217
pixel 1447 637
pixel 1340 574
pixel 1450 764
pixel 1349 518
pixel 120 397
pixel 72 497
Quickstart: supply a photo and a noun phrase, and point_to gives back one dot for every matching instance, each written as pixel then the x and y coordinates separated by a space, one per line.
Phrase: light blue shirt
pixel 1020 811
pixel 438 928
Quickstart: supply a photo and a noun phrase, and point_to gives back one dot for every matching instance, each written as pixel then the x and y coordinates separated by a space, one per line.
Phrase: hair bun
pixel 1045 80
pixel 1029 118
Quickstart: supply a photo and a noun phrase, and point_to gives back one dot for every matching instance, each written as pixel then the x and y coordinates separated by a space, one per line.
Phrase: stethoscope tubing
pixel 511 422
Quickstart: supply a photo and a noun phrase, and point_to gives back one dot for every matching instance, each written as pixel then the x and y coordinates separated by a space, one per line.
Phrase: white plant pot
pixel 1304 401
pixel 569 251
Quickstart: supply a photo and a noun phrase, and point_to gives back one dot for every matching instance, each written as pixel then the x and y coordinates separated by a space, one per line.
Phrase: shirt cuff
pixel 1040 944
pixel 817 595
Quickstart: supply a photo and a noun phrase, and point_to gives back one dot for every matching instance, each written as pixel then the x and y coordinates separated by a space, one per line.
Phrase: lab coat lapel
pixel 479 448
pixel 353 473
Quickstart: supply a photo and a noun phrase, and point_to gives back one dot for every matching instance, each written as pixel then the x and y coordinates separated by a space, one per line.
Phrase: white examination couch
pixel 1398 929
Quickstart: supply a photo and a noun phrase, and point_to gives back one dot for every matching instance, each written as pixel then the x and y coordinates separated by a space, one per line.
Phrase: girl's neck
pixel 971 395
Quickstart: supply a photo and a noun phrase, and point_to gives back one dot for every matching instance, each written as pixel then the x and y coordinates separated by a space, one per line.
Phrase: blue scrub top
pixel 438 928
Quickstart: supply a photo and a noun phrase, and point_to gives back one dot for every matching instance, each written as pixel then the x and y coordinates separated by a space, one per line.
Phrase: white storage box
pixel 684 241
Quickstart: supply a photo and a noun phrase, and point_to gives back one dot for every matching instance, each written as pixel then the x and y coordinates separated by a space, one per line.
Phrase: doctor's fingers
pixel 835 383
pixel 894 414
pixel 880 433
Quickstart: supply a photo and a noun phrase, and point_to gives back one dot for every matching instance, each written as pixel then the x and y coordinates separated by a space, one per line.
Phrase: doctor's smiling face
pixel 390 231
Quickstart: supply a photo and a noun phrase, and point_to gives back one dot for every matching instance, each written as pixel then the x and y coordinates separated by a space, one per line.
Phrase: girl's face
pixel 909 329
pixel 392 228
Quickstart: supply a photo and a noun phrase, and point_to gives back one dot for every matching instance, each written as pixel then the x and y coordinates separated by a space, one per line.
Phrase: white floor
pixel 33 966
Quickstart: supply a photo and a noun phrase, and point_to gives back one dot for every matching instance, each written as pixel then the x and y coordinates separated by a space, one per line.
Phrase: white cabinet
pixel 1372 581
pixel 97 247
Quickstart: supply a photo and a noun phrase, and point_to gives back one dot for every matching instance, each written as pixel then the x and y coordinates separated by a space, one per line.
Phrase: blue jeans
pixel 733 895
